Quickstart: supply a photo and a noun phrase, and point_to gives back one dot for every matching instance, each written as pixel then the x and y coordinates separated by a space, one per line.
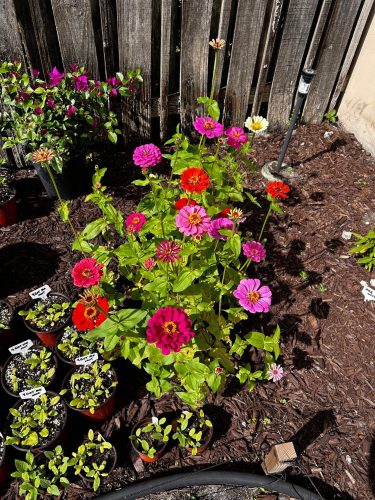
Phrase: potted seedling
pixel 90 389
pixel 150 437
pixel 42 476
pixel 46 317
pixel 71 344
pixel 194 431
pixel 94 459
pixel 4 461
pixel 36 424
pixel 8 204
pixel 33 368
pixel 6 318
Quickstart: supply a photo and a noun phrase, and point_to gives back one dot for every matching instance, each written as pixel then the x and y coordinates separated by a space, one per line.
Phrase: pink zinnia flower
pixel 55 77
pixel 70 111
pixel 254 250
pixel 252 296
pixel 87 272
pixel 134 222
pixel 209 127
pixel 169 328
pixel 168 251
pixel 193 220
pixel 149 263
pixel 147 155
pixel 275 372
pixel 216 225
pixel 236 137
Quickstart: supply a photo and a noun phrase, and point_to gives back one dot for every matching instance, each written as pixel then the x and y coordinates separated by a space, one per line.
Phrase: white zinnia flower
pixel 256 124
pixel 155 420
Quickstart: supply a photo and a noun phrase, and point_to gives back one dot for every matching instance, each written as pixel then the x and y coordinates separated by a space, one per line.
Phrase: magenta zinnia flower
pixel 254 250
pixel 168 251
pixel 169 328
pixel 209 127
pixel 87 272
pixel 275 372
pixel 80 83
pixel 216 225
pixel 147 155
pixel 236 137
pixel 149 263
pixel 70 111
pixel 193 220
pixel 134 222
pixel 55 77
pixel 252 296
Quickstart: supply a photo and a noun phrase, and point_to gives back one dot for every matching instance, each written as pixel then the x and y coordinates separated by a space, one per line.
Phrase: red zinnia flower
pixel 194 180
pixel 225 212
pixel 168 251
pixel 277 190
pixel 86 315
pixel 182 202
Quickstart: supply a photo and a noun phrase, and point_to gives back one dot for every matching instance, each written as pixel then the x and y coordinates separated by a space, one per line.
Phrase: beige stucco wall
pixel 357 108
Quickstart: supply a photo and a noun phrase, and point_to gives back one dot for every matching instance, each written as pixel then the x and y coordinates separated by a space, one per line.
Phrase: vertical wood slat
pixel 332 53
pixel 247 33
pixel 354 42
pixel 317 35
pixel 298 22
pixel 109 35
pixel 76 33
pixel 165 53
pixel 222 32
pixel 134 23
pixel 273 26
pixel 195 32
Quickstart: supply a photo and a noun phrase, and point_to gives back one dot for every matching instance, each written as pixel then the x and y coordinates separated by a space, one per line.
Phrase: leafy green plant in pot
pixel 194 431
pixel 90 389
pixel 72 344
pixel 150 437
pixel 36 424
pixel 6 333
pixel 42 476
pixel 95 458
pixel 33 368
pixel 47 317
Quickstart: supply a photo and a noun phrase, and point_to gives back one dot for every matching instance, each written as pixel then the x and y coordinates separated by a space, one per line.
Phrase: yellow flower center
pixel 86 273
pixel 208 125
pixel 170 327
pixel 90 312
pixel 136 220
pixel 256 126
pixel 236 134
pixel 195 218
pixel 254 296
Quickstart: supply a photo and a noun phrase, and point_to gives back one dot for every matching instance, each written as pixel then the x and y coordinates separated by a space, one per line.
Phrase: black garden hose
pixel 188 479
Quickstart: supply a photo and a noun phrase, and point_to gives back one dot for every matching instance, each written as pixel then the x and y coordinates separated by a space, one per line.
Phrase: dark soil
pixel 5 313
pixel 77 347
pixel 26 376
pixel 48 302
pixel 6 194
pixel 325 403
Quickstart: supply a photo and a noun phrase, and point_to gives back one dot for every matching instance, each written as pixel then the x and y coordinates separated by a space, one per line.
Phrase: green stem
pixel 217 150
pixel 175 160
pixel 264 223
pixel 214 74
pixel 108 316
pixel 157 207
pixel 252 140
pixel 221 293
pixel 245 265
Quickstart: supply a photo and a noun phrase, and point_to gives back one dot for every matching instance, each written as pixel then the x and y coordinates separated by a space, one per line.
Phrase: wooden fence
pixel 268 43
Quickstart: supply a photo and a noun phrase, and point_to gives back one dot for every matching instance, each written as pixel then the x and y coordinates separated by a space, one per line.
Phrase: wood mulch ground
pixel 325 403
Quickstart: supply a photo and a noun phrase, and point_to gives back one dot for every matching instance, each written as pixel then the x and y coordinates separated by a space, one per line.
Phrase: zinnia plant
pixel 189 263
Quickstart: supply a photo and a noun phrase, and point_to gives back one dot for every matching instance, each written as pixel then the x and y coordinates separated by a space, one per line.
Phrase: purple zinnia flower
pixel 112 80
pixel 254 250
pixel 275 372
pixel 55 77
pixel 168 251
pixel 147 155
pixel 73 68
pixel 216 225
pixel 252 296
pixel 80 83
pixel 236 137
pixel 113 92
pixel 35 73
pixel 38 110
pixel 50 103
pixel 209 127
pixel 70 111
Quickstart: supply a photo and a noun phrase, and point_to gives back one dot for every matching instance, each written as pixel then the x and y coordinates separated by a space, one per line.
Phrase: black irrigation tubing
pixel 189 479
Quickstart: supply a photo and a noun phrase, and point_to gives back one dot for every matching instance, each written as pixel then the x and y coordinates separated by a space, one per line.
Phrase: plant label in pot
pixel 21 348
pixel 86 360
pixel 40 293
pixel 33 393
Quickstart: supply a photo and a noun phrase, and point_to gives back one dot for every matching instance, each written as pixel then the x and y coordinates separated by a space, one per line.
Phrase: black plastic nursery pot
pixel 103 411
pixel 4 383
pixel 55 440
pixel 74 180
pixel 142 456
pixel 60 353
pixel 206 442
pixel 5 464
pixel 8 206
pixel 7 335
pixel 108 471
pixel 49 337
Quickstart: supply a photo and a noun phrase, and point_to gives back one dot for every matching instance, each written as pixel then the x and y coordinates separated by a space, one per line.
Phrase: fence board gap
pixel 222 33
pixel 334 46
pixel 165 56
pixel 108 18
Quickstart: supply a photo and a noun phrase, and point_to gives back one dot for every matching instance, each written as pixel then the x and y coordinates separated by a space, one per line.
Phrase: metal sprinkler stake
pixel 273 170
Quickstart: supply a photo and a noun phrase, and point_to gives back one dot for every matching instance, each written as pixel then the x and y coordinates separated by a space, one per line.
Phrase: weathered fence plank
pixel 109 34
pixel 134 27
pixel 354 42
pixel 73 19
pixel 195 32
pixel 247 33
pixel 222 33
pixel 165 53
pixel 318 32
pixel 334 46
pixel 298 22
pixel 10 40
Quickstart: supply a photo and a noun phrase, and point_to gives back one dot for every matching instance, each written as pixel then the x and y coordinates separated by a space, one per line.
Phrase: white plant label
pixel 40 293
pixel 22 347
pixel 346 235
pixel 369 293
pixel 303 87
pixel 33 393
pixel 86 360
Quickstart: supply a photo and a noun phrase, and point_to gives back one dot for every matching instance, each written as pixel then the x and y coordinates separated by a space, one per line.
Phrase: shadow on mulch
pixel 371 466
pixel 26 265
pixel 33 201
